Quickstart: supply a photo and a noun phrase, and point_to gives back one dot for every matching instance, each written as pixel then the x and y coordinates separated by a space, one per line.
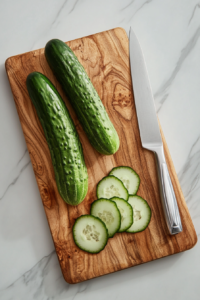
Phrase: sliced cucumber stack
pixel 117 209
pixel 141 213
pixel 129 177
pixel 90 234
pixel 111 186
pixel 107 211
pixel 126 212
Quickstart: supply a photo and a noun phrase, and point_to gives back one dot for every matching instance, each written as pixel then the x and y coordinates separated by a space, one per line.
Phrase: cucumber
pixel 111 186
pixel 129 177
pixel 141 213
pixel 126 212
pixel 63 141
pixel 90 233
pixel 107 211
pixel 83 97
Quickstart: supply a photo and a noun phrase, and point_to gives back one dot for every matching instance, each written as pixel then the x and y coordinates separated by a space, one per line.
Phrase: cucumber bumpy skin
pixel 83 97
pixel 62 138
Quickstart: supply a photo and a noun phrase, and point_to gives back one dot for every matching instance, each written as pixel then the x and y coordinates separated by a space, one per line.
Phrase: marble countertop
pixel 169 32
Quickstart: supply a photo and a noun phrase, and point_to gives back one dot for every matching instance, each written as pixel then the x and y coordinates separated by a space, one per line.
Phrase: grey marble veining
pixel 189 178
pixel 21 165
pixel 169 32
pixel 163 92
pixel 197 6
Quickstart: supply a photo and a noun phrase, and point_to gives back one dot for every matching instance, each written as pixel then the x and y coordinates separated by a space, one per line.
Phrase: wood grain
pixel 105 58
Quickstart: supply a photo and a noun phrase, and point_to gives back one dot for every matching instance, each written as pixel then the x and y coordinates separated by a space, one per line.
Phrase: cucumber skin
pixel 83 97
pixel 52 113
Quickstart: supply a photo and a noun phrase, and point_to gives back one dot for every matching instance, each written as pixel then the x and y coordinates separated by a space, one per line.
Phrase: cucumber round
pixel 129 177
pixel 90 233
pixel 141 213
pixel 62 138
pixel 111 186
pixel 107 211
pixel 83 97
pixel 126 212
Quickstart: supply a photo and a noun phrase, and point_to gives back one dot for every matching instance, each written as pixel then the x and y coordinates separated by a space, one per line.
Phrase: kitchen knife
pixel 150 133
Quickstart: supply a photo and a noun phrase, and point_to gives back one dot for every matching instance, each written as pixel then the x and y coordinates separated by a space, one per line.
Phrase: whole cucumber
pixel 83 97
pixel 62 138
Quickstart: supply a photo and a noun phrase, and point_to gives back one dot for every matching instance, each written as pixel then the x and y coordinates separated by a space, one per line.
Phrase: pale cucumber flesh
pixel 129 177
pixel 111 186
pixel 116 209
pixel 90 233
pixel 108 212
pixel 141 213
pixel 126 212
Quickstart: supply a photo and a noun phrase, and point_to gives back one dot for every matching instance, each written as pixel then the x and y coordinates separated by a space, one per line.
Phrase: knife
pixel 150 132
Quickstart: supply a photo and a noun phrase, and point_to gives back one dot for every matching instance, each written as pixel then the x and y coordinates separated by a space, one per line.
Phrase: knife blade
pixel 150 132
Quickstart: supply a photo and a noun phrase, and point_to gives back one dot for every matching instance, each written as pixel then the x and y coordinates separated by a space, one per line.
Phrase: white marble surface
pixel 169 32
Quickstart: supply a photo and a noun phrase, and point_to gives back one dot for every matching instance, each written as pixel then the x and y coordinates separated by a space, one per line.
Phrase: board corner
pixel 123 30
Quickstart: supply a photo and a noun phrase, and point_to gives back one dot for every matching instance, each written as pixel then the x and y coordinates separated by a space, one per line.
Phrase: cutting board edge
pixel 71 281
pixel 40 49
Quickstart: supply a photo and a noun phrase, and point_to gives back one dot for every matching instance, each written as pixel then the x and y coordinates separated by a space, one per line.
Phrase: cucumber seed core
pixel 90 233
pixel 111 192
pixel 106 217
pixel 136 214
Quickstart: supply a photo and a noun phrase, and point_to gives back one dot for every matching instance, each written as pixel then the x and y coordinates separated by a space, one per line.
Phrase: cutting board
pixel 105 57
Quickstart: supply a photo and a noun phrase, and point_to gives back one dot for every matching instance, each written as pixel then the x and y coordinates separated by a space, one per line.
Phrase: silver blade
pixel 144 102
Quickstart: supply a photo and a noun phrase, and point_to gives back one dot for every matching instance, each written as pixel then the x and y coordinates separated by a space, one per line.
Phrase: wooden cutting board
pixel 105 57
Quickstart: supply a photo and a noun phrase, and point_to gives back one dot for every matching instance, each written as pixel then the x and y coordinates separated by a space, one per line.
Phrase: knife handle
pixel 168 197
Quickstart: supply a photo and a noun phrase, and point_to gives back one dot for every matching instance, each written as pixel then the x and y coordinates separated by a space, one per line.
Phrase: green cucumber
pixel 83 97
pixel 107 211
pixel 62 138
pixel 111 186
pixel 141 213
pixel 90 233
pixel 129 177
pixel 126 212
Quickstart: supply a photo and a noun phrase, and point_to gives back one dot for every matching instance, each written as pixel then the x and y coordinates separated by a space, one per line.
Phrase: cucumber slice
pixel 107 211
pixel 126 212
pixel 90 234
pixel 141 213
pixel 111 186
pixel 129 177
